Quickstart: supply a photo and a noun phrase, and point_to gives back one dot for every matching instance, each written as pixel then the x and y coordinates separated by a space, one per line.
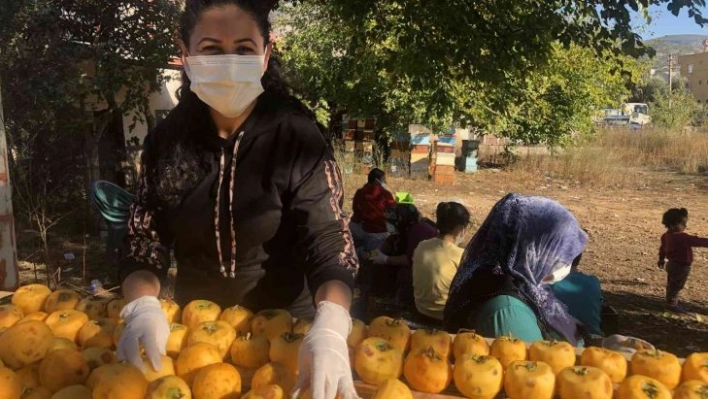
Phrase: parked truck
pixel 634 115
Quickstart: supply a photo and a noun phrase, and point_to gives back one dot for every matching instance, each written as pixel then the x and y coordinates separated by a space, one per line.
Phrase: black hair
pixel 179 164
pixel 674 217
pixel 405 216
pixel 376 175
pixel 576 262
pixel 451 216
pixel 272 81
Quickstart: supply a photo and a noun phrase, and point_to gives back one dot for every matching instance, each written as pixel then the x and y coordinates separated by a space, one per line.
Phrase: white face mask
pixel 228 83
pixel 558 275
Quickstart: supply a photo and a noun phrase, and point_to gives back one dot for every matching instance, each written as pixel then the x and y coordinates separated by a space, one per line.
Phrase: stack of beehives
pixel 420 155
pixel 400 157
pixel 358 145
pixel 444 160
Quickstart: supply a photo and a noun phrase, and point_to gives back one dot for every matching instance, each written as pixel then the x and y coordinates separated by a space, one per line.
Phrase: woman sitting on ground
pixel 396 254
pixel 435 261
pixel 370 205
pixel 503 285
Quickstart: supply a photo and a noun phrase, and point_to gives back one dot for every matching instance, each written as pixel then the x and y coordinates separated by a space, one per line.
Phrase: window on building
pixel 690 68
pixel 700 82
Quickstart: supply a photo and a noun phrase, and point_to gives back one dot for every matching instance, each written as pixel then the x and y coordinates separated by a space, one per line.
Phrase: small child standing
pixel 677 247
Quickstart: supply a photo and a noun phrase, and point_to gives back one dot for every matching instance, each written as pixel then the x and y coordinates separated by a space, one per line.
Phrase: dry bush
pixel 617 158
pixel 686 152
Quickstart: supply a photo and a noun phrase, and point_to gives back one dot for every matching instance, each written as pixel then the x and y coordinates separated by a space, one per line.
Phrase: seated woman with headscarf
pixel 504 282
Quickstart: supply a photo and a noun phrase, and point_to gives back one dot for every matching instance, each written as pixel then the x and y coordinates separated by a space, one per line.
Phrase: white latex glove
pixel 621 343
pixel 324 358
pixel 380 258
pixel 146 325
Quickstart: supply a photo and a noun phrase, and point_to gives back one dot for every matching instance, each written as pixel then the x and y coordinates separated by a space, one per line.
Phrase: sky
pixel 665 23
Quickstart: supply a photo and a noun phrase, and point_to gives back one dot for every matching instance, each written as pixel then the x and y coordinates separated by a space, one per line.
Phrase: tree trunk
pixel 335 121
pixel 111 151
pixel 9 275
pixel 92 169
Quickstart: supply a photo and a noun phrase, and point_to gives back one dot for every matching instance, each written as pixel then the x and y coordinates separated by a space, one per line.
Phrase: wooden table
pixel 366 391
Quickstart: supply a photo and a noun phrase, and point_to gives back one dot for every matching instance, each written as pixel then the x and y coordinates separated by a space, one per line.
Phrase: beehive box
pixel 445 159
pixel 443 180
pixel 445 170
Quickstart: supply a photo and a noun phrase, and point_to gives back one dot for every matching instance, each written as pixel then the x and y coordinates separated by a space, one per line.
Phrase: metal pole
pixel 671 70
pixel 9 276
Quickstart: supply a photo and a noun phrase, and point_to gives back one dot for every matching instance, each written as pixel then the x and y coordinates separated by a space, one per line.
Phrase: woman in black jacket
pixel 239 180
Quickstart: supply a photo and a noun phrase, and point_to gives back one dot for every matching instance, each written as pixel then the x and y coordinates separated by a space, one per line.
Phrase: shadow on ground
pixel 647 317
pixel 628 283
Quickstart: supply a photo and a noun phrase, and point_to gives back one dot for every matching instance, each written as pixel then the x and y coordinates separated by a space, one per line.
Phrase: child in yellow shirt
pixel 435 261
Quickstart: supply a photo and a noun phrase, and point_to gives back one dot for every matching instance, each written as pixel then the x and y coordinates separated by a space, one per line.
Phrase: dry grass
pixel 619 158
pixel 684 152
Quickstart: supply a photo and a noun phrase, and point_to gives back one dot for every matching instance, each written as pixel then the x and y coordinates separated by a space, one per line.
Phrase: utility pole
pixel 671 71
pixel 9 275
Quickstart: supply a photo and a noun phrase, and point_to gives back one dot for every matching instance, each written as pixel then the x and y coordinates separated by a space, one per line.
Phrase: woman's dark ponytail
pixel 451 216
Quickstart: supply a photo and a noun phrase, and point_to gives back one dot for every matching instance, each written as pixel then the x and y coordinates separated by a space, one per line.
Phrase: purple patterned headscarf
pixel 527 239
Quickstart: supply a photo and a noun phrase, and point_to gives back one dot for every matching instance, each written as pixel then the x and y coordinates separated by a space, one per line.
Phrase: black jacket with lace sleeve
pixel 256 232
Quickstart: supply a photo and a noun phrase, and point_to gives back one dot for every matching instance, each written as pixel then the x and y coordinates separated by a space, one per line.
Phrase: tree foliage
pixel 671 109
pixel 403 66
pixel 556 101
pixel 486 39
pixel 69 68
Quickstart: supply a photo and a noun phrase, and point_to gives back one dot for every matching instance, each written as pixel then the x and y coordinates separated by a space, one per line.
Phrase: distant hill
pixel 675 44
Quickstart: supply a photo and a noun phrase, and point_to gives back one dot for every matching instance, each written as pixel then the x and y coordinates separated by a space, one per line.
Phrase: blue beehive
pixel 420 139
pixel 470 151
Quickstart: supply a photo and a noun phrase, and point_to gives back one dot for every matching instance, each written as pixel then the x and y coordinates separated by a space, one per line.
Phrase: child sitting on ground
pixel 677 247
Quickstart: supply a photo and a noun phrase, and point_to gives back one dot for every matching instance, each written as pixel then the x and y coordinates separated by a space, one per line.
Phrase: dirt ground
pixel 624 225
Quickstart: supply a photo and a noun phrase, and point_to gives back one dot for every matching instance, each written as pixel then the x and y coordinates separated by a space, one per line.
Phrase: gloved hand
pixel 146 325
pixel 662 264
pixel 621 343
pixel 379 258
pixel 324 358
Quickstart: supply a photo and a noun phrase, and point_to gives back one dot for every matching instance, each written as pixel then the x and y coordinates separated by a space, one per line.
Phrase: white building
pixel 161 103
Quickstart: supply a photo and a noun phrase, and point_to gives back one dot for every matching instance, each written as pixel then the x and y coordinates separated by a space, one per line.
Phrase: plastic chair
pixel 113 204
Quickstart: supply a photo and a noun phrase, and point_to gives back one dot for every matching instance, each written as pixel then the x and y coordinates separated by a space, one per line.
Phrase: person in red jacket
pixel 677 247
pixel 371 205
